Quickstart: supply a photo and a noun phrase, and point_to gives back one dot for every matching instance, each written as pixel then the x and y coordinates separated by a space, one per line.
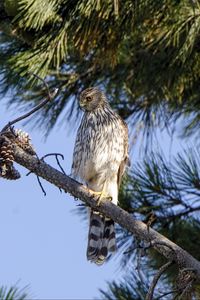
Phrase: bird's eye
pixel 88 98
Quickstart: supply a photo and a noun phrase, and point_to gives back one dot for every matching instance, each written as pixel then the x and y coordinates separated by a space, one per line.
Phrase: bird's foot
pixel 102 197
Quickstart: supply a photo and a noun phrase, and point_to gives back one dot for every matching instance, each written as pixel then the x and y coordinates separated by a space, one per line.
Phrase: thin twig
pixel 60 164
pixel 44 82
pixel 29 173
pixel 42 159
pixel 151 219
pixel 162 269
pixel 56 155
pixel 40 184
pixel 168 293
pixel 36 108
pixel 51 154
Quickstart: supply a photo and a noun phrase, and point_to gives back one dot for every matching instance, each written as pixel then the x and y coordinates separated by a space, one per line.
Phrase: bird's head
pixel 91 99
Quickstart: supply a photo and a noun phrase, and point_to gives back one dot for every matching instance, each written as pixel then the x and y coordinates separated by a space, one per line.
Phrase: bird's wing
pixel 125 162
pixel 77 155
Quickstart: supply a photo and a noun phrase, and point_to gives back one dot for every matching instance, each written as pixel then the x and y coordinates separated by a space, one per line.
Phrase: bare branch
pixel 40 184
pixel 36 108
pixel 57 159
pixel 52 154
pixel 44 83
pixel 168 293
pixel 149 295
pixel 140 230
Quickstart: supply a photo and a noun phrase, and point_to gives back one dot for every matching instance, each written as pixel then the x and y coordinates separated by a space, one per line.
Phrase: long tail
pixel 101 238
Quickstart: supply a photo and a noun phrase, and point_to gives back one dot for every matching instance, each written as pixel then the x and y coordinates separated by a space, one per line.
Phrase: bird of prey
pixel 99 161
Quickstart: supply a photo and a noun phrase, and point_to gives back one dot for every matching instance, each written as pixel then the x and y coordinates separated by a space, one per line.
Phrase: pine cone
pixel 7 169
pixel 6 153
pixel 23 141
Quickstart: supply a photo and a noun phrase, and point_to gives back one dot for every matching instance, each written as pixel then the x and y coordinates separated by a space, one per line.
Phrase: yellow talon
pixel 102 196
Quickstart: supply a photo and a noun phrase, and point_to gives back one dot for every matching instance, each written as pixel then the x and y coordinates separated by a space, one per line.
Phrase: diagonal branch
pixel 139 229
pixel 36 108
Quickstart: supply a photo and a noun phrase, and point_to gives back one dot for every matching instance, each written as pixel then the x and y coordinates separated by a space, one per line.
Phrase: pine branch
pixel 141 41
pixel 13 292
pixel 139 229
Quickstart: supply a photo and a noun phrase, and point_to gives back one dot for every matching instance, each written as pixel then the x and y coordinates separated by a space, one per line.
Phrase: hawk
pixel 99 161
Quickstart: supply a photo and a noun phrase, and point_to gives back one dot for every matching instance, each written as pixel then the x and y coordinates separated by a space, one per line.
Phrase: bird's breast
pixel 99 146
pixel 96 151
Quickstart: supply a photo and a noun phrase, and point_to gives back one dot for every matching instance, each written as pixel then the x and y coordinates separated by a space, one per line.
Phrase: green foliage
pixel 35 14
pixel 13 293
pixel 143 53
pixel 167 189
pixel 130 289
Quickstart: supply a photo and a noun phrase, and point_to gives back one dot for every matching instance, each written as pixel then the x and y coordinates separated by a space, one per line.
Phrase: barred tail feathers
pixel 101 238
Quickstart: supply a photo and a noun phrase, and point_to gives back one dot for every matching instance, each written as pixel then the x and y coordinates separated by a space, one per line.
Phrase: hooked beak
pixel 82 104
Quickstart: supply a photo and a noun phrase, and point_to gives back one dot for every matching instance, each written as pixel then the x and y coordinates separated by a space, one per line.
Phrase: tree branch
pixel 139 229
pixel 162 269
pixel 36 108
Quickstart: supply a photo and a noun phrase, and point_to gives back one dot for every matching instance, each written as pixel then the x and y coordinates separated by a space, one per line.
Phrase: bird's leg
pixel 102 195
